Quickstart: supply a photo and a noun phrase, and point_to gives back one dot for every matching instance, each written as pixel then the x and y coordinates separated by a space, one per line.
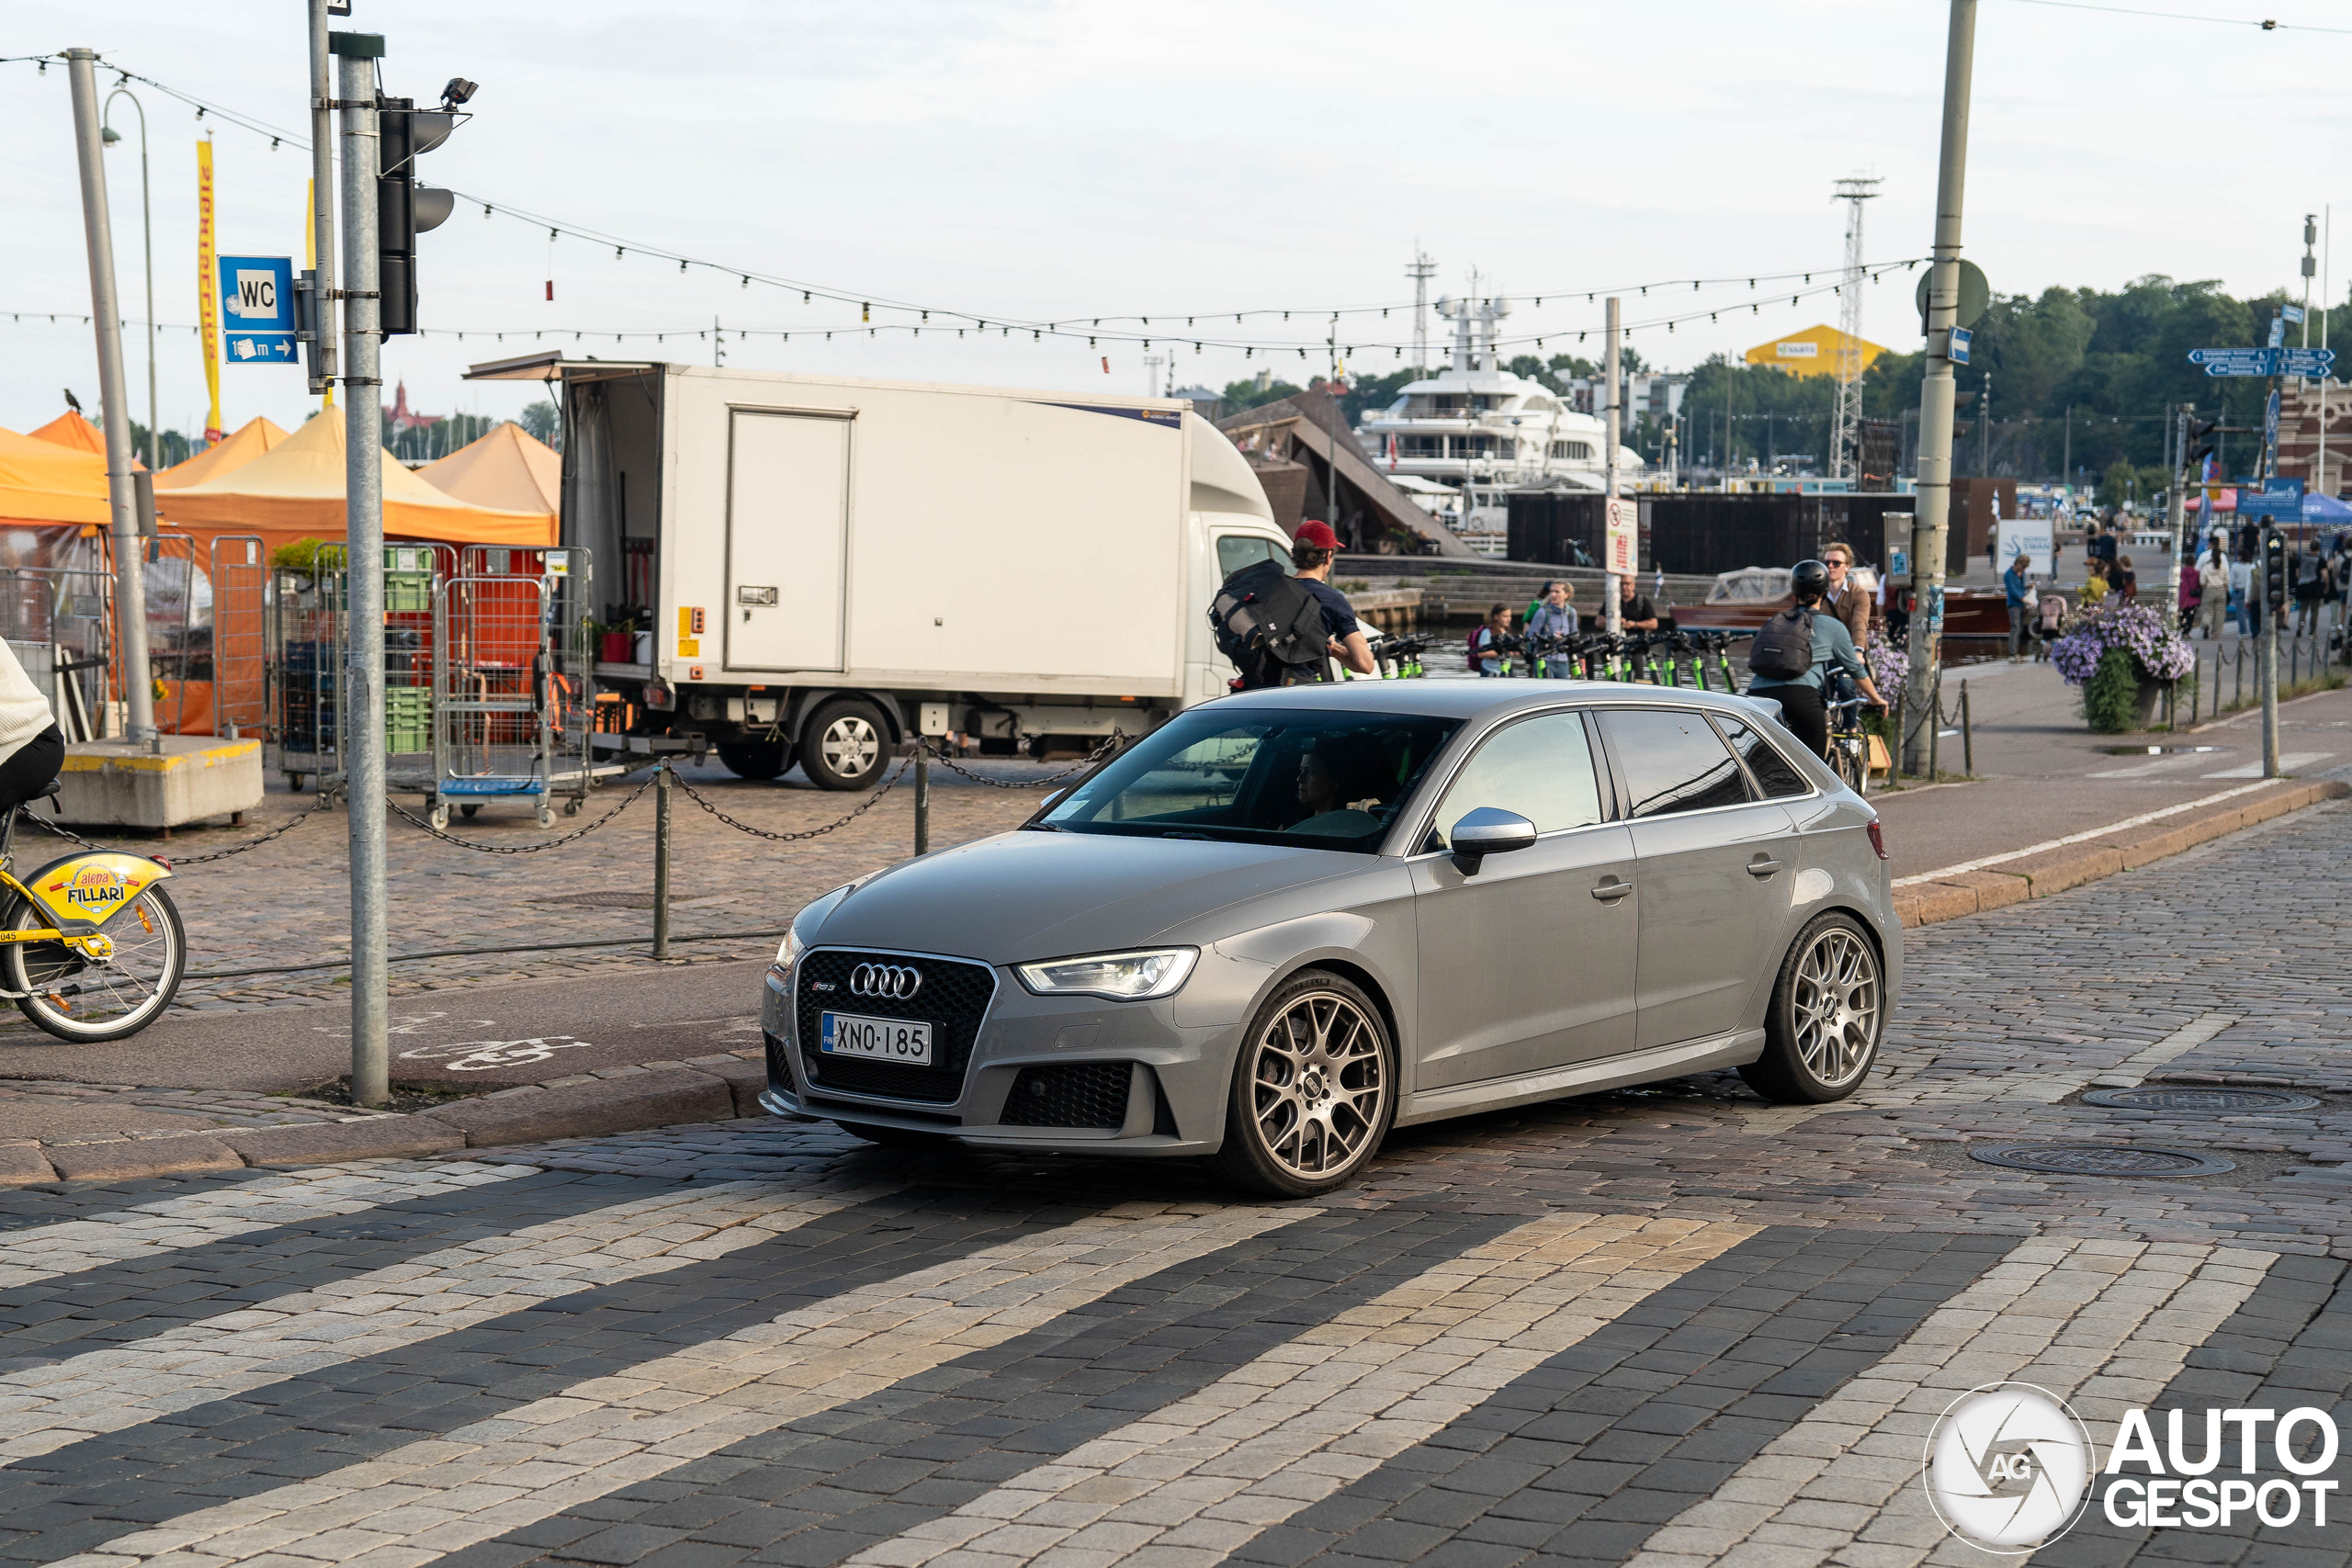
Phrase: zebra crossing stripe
pixel 2104 1324
pixel 1195 1479
pixel 440 1495
pixel 220 1214
pixel 45 1408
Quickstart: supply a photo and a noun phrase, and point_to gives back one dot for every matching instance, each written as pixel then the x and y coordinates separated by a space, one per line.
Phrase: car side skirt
pixel 1585 1077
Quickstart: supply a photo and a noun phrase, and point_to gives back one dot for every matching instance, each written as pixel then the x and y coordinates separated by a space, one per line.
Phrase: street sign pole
pixel 2269 645
pixel 362 697
pixel 1612 588
pixel 1932 511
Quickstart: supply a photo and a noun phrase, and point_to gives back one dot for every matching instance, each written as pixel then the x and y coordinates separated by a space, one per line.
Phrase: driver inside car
pixel 1341 781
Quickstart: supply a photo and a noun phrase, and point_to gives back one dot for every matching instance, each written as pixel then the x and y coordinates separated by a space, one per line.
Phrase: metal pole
pixel 1935 727
pixel 1934 484
pixel 323 196
pixel 1613 616
pixel 2177 515
pixel 362 697
pixel 106 315
pixel 923 794
pixel 2267 680
pixel 1902 715
pixel 662 858
pixel 147 239
pixel 1967 735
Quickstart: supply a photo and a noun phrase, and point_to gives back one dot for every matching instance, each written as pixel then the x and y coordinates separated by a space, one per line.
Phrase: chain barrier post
pixel 1967 735
pixel 1901 713
pixel 1935 726
pixel 923 794
pixel 661 859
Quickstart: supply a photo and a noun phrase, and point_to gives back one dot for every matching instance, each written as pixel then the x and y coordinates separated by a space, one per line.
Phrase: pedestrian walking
pixel 2095 587
pixel 1486 650
pixel 1845 598
pixel 1554 615
pixel 2124 581
pixel 2213 588
pixel 2241 595
pixel 2312 586
pixel 2015 588
pixel 1311 550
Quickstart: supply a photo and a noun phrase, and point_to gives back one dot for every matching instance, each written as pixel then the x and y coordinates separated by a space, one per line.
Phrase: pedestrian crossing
pixel 884 1373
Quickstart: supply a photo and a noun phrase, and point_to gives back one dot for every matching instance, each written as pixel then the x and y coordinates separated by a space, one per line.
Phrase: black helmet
pixel 1808 579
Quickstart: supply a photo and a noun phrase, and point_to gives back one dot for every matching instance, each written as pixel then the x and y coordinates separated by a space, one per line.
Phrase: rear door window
pixel 1541 767
pixel 1672 760
pixel 1235 551
pixel 1776 773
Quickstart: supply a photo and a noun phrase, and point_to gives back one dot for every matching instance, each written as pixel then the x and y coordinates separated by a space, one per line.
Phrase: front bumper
pixel 1176 1087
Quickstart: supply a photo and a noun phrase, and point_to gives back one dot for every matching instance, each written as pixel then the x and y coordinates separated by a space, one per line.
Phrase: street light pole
pixel 1934 483
pixel 1612 592
pixel 322 201
pixel 362 692
pixel 147 239
pixel 106 315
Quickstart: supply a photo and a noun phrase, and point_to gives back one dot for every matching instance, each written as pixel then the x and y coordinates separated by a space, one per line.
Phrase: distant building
pixel 2299 432
pixel 1204 402
pixel 1658 394
pixel 399 419
pixel 1813 351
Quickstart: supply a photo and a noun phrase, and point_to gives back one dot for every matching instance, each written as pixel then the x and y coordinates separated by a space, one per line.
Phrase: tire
pixel 76 1000
pixel 469 809
pixel 1313 1089
pixel 1827 1016
pixel 846 745
pixel 758 759
pixel 894 1137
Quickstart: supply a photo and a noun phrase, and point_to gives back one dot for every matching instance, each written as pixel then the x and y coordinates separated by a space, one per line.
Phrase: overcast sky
pixel 1055 158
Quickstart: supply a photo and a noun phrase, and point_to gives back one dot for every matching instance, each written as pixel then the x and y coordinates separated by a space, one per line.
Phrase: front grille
pixel 1080 1094
pixel 953 999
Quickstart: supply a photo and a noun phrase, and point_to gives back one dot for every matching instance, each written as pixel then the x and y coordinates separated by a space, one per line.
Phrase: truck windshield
pixel 1324 781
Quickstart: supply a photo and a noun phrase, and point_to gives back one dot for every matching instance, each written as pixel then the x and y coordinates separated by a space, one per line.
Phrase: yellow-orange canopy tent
pixel 509 468
pixel 70 429
pixel 41 481
pixel 252 438
pixel 296 491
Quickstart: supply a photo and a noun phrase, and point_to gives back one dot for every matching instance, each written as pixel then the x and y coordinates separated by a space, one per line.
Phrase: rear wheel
pixel 754 757
pixel 1828 1008
pixel 846 745
pixel 81 998
pixel 1313 1089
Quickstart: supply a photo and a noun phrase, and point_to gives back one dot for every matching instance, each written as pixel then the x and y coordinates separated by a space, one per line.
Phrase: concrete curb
pixel 2055 870
pixel 711 1089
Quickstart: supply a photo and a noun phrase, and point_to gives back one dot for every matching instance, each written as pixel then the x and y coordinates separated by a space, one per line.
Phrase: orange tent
pixel 296 491
pixel 509 468
pixel 42 481
pixel 252 438
pixel 70 429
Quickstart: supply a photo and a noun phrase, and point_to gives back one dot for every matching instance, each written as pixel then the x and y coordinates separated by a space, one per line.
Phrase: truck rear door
pixel 787 540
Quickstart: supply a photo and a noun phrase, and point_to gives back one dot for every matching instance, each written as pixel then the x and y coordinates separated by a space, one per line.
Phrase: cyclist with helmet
pixel 1804 704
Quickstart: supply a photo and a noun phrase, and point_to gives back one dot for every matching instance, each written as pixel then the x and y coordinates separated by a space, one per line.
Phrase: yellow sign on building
pixel 1814 352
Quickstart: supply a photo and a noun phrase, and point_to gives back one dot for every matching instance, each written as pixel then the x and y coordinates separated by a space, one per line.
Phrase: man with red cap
pixel 1312 549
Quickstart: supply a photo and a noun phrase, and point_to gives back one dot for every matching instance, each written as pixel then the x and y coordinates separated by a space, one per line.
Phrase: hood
pixel 1025 895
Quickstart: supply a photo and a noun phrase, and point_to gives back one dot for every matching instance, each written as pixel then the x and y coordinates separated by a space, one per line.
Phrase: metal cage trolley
pixel 513 687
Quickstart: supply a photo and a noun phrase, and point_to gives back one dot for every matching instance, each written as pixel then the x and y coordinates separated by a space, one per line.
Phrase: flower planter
pixel 616 647
pixel 2151 696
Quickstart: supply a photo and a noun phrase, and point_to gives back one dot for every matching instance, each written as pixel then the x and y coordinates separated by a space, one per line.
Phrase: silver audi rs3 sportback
pixel 1288 920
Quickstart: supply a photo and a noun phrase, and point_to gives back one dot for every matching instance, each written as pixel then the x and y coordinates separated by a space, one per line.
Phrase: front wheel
pixel 1313 1089
pixel 1828 1008
pixel 84 999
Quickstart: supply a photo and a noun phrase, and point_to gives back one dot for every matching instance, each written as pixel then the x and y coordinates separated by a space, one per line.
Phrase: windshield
pixel 1325 781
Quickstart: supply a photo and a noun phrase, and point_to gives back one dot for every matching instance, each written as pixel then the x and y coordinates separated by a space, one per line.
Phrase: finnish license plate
pixel 878 1039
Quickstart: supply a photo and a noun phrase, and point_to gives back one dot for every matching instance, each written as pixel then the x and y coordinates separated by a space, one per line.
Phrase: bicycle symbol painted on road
pixel 479 1055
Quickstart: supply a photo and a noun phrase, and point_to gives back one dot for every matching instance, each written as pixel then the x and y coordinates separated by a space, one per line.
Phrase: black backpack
pixel 1268 625
pixel 1783 647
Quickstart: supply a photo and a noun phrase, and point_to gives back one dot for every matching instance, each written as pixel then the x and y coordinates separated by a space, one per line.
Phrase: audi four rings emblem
pixel 898 981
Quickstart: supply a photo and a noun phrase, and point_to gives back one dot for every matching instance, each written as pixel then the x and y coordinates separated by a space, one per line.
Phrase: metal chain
pixel 868 805
pixel 1116 738
pixel 416 821
pixel 177 860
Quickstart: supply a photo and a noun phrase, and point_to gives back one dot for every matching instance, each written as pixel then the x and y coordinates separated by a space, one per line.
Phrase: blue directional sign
pixel 257 309
pixel 2278 332
pixel 2264 361
pixel 2308 362
pixel 1961 340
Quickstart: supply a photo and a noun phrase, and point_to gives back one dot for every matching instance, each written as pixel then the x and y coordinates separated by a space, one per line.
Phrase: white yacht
pixel 1482 431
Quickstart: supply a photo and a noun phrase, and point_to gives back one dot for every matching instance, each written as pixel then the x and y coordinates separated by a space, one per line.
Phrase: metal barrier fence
pixel 240 570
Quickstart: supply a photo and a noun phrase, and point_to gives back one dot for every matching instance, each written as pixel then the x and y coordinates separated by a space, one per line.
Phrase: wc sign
pixel 257 309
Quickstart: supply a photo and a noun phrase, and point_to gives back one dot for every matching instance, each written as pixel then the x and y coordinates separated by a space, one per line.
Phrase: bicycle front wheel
pixel 80 999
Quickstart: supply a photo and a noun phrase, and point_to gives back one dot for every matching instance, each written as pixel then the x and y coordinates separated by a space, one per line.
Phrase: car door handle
pixel 1609 892
pixel 1763 867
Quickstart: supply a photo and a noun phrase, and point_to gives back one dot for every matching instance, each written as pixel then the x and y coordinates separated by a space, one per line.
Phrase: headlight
pixel 1122 976
pixel 789 949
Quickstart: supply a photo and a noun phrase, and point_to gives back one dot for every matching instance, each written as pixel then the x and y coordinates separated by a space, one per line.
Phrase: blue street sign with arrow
pixel 257 309
pixel 2264 361
pixel 2310 362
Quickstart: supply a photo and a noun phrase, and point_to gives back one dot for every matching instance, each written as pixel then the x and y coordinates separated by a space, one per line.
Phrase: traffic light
pixel 403 207
pixel 1962 427
pixel 2203 436
pixel 2273 569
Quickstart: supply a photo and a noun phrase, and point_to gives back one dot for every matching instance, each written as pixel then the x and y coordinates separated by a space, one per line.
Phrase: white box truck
pixel 827 565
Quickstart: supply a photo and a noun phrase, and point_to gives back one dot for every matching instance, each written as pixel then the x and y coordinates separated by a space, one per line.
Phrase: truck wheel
pixel 754 757
pixel 846 745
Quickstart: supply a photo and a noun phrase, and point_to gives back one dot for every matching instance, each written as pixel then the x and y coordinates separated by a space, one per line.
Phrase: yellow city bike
pixel 91 947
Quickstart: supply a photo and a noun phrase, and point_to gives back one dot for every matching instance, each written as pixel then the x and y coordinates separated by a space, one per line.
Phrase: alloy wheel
pixel 1316 1084
pixel 849 745
pixel 1835 1005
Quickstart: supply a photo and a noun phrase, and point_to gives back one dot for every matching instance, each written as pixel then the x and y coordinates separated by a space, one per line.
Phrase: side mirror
pixel 1489 831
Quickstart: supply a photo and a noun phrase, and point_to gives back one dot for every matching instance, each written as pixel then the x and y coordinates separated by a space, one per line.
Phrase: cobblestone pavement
pixel 1673 1327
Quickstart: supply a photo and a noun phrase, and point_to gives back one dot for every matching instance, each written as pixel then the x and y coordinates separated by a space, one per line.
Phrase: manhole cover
pixel 2206 1101
pixel 2099 1160
pixel 614 901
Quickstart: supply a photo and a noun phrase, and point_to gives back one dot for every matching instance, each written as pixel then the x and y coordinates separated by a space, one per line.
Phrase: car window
pixel 1235 551
pixel 1776 773
pixel 1329 781
pixel 1673 761
pixel 1540 767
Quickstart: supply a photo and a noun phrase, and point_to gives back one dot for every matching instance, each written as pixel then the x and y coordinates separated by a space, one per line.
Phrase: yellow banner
pixel 207 286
